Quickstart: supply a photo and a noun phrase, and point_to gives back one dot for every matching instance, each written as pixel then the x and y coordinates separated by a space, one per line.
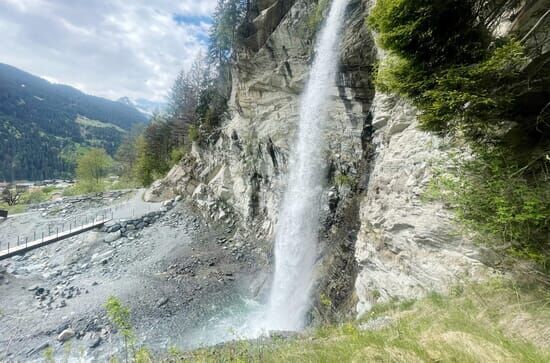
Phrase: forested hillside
pixel 43 125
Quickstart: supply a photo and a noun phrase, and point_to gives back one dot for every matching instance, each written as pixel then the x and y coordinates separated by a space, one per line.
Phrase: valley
pixel 328 181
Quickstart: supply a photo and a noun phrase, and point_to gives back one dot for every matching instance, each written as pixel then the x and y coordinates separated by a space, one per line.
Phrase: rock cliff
pixel 380 239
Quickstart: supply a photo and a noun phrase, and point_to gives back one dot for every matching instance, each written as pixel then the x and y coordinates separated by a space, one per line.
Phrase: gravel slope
pixel 175 275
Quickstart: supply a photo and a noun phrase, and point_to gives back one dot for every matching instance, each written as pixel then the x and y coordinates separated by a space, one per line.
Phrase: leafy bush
pixel 430 33
pixel 34 197
pixel 343 180
pixel 316 17
pixel 193 133
pixel 119 315
pixel 472 100
pixel 441 59
pixel 85 187
pixel 491 196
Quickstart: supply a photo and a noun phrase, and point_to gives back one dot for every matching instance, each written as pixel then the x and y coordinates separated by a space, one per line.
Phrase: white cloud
pixel 109 48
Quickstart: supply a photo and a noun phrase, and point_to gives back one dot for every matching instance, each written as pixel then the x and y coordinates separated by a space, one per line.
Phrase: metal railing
pixel 74 223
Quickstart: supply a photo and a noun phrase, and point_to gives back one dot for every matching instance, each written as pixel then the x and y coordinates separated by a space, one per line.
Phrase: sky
pixel 108 48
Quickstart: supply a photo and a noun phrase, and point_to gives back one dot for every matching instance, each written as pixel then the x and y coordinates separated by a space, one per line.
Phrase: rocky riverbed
pixel 173 269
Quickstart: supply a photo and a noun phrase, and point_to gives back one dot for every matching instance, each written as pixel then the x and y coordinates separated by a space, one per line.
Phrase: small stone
pixel 95 343
pixel 162 302
pixel 66 335
pixel 111 237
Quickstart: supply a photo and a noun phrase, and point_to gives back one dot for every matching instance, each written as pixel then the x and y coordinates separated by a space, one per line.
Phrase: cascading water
pixel 297 229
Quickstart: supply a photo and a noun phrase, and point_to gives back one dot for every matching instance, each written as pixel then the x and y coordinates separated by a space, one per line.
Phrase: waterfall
pixel 297 230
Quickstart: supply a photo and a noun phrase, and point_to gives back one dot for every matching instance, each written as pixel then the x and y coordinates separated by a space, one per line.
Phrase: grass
pixel 13 209
pixel 496 321
pixel 84 121
pixel 30 197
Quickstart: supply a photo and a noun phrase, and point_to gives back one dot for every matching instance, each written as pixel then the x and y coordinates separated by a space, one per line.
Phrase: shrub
pixel 193 133
pixel 343 180
pixel 430 33
pixel 316 16
pixel 119 315
pixel 491 196
pixel 474 100
pixel 34 197
pixel 441 59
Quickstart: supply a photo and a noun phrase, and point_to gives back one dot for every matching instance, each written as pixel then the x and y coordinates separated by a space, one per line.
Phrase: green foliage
pixel 92 168
pixel 474 100
pixel 37 125
pixel 176 155
pixel 48 355
pixel 478 325
pixel 119 315
pixel 83 188
pixel 154 151
pixel 471 100
pixel 126 154
pixel 492 196
pixel 143 355
pixel 343 180
pixel 122 184
pixel 34 196
pixel 212 108
pixel 194 134
pixel 228 16
pixel 325 300
pixel 430 33
pixel 316 17
pixel 440 59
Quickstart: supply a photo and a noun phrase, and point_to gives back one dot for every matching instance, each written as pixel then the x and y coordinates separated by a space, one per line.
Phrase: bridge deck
pixel 25 247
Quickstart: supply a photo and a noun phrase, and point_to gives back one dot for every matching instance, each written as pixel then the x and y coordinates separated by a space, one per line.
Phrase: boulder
pixel 66 335
pixel 111 237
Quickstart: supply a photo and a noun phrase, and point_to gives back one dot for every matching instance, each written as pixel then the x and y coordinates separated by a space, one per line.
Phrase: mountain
pixel 44 125
pixel 144 106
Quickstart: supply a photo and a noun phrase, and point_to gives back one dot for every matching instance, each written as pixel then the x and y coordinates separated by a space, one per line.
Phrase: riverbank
pixel 174 274
pixel 496 321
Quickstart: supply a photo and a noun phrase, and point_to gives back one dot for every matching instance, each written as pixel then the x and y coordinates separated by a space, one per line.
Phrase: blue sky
pixel 109 48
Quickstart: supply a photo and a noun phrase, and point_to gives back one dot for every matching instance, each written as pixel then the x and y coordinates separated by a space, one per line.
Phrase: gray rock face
pixel 406 246
pixel 377 237
pixel 244 170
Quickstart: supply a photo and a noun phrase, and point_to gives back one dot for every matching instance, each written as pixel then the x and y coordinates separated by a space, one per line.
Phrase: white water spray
pixel 297 229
